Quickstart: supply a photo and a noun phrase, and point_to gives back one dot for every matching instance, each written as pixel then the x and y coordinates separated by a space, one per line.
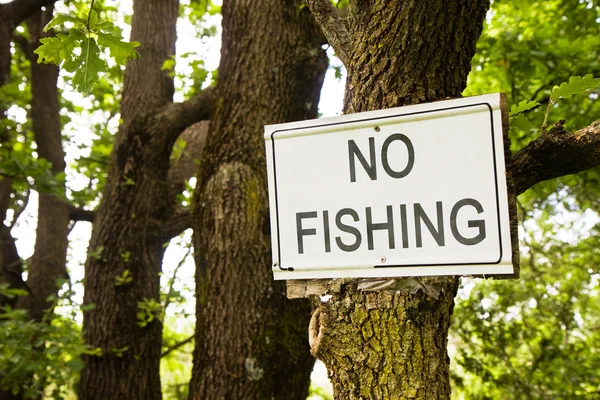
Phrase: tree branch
pixel 179 222
pixel 21 9
pixel 333 27
pixel 556 153
pixel 176 346
pixel 183 165
pixel 79 214
pixel 175 117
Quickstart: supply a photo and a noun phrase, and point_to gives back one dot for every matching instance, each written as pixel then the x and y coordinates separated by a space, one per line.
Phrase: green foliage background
pixel 537 338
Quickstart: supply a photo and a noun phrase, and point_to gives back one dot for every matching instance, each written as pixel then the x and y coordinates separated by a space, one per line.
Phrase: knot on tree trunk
pixel 314 331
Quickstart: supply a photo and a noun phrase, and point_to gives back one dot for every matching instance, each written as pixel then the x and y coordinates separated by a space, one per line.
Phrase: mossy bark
pixel 382 345
pixel 385 346
pixel 250 340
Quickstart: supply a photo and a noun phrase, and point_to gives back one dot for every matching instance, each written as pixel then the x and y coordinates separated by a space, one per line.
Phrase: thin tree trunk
pixel 48 263
pixel 250 340
pixel 380 345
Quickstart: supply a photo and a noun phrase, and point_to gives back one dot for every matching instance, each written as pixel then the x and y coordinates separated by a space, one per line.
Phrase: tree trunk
pixel 48 263
pixel 126 233
pixel 250 340
pixel 380 345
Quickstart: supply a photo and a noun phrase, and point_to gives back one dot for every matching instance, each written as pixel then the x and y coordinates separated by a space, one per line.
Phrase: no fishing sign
pixel 409 191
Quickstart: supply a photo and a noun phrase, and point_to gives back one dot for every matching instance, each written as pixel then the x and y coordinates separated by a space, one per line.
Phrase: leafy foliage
pixel 123 279
pixel 149 310
pixel 528 47
pixel 521 123
pixel 524 105
pixel 576 85
pixel 49 351
pixel 536 338
pixel 176 364
pixel 78 51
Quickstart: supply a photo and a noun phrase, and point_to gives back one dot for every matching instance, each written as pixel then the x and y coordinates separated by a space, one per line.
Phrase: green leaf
pixel 90 66
pixel 121 51
pixel 521 123
pixel 576 85
pixel 105 27
pixel 55 49
pixel 522 106
pixel 168 65
pixel 93 17
pixel 60 19
pixel 78 51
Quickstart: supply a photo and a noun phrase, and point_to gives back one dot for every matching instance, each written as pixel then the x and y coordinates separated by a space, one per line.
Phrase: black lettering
pixel 300 232
pixel 353 150
pixel 480 223
pixel 348 229
pixel 389 226
pixel 404 226
pixel 437 234
pixel 326 231
pixel 384 156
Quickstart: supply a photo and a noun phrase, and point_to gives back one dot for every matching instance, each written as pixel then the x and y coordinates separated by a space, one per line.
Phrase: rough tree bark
pixel 127 233
pixel 380 345
pixel 250 340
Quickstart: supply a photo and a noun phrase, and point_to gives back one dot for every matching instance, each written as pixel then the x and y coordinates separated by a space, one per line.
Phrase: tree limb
pixel 176 346
pixel 175 117
pixel 183 165
pixel 180 220
pixel 79 214
pixel 556 153
pixel 333 27
pixel 21 9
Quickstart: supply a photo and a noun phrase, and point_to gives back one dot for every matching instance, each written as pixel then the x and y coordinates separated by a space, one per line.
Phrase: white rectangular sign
pixel 409 191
